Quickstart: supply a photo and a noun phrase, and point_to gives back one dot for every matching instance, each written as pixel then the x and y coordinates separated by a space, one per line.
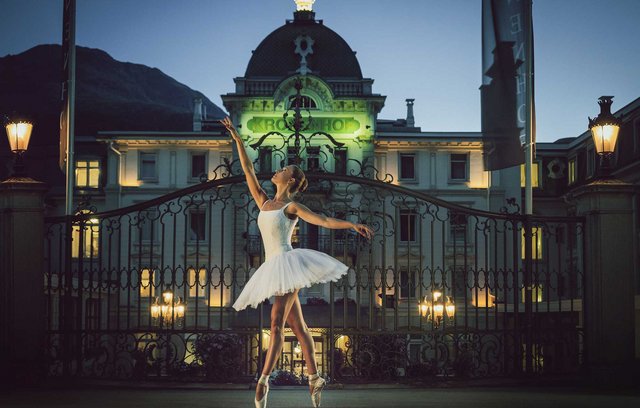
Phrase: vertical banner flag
pixel 68 42
pixel 505 72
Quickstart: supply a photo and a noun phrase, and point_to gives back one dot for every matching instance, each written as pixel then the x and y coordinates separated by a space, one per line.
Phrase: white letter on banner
pixel 519 53
pixel 521 114
pixel 516 25
pixel 521 82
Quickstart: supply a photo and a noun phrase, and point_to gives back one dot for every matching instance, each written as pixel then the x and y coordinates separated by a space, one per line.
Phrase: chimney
pixel 197 114
pixel 410 120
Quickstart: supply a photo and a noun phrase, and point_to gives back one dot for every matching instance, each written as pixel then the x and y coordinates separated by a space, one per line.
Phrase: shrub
pixel 221 355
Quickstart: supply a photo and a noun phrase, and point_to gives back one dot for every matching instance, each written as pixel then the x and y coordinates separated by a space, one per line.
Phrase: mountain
pixel 110 94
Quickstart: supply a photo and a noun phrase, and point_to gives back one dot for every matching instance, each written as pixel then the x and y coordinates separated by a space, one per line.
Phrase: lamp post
pixel 19 134
pixel 165 313
pixel 604 130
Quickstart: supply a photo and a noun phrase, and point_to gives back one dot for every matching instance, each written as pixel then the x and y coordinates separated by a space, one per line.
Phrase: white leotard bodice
pixel 276 230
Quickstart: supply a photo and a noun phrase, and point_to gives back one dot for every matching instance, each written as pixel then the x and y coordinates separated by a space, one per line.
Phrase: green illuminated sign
pixel 329 125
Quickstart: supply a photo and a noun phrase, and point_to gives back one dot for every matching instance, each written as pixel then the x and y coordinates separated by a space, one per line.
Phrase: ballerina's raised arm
pixel 256 190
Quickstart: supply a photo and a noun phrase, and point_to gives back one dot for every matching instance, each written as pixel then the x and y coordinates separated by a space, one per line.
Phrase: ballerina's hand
pixel 226 122
pixel 363 230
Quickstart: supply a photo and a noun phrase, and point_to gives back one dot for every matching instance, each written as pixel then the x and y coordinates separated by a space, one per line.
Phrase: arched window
pixel 307 102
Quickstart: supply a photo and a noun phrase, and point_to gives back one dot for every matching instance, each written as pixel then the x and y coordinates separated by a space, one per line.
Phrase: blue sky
pixel 429 50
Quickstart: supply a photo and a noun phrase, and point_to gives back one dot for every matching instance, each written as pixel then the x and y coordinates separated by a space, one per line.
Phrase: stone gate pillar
pixel 608 303
pixel 22 307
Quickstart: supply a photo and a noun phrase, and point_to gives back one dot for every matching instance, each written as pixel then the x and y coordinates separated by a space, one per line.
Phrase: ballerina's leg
pixel 280 309
pixel 296 322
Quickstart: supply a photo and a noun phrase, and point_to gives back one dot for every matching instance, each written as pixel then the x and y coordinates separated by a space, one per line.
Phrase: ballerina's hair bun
pixel 303 185
pixel 300 180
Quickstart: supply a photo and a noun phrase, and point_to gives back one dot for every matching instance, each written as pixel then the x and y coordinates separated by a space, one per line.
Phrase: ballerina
pixel 286 269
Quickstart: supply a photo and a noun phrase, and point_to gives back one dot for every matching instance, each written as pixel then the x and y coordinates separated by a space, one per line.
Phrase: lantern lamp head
pixel 19 133
pixel 605 127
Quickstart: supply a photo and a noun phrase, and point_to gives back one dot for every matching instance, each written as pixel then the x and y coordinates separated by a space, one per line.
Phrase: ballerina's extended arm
pixel 311 217
pixel 252 181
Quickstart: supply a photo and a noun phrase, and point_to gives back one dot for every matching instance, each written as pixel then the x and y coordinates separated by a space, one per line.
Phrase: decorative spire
pixel 304 5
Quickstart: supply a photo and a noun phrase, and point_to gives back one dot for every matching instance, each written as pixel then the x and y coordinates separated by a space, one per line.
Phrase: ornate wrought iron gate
pixel 442 290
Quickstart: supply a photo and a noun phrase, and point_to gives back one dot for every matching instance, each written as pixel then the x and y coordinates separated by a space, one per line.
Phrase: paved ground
pixel 476 397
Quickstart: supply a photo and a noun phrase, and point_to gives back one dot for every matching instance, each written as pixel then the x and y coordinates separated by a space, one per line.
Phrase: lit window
pixel 571 171
pixel 407 167
pixel 459 165
pixel 536 293
pixel 147 283
pixel 408 221
pixel 198 165
pixel 148 166
pixel 86 237
pixel 88 173
pixel 535 168
pixel 197 282
pixel 197 226
pixel 536 243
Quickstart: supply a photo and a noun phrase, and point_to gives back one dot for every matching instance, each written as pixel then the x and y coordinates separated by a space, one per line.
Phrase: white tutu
pixel 285 268
pixel 288 271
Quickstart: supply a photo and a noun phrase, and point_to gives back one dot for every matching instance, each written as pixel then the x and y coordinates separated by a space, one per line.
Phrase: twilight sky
pixel 429 50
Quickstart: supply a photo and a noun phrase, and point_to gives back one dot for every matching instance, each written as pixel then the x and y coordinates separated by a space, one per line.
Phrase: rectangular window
pixel 408 221
pixel 407 167
pixel 147 283
pixel 265 160
pixel 341 161
pixel 535 173
pixel 313 158
pixel 197 226
pixel 536 243
pixel 591 161
pixel 636 135
pixel 88 173
pixel 459 167
pixel 197 282
pixel 458 228
pixel 92 315
pixel 198 165
pixel 148 169
pixel 571 171
pixel 293 156
pixel 90 238
pixel 408 282
pixel 148 225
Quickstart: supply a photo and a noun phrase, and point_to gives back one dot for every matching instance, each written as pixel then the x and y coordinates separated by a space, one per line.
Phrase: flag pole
pixel 71 92
pixel 528 148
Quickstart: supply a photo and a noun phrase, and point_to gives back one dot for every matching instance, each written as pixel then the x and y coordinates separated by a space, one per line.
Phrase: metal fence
pixel 440 291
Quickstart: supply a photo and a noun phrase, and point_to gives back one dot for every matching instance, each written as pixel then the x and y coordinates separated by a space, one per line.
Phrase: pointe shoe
pixel 317 391
pixel 263 402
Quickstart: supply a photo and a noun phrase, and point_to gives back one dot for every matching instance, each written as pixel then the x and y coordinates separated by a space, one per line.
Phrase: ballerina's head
pixel 292 177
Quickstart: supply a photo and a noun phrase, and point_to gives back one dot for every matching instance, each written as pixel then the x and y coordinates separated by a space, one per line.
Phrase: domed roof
pixel 331 57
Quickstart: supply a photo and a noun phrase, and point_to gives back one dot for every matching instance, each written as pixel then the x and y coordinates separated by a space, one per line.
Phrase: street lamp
pixel 604 130
pixel 434 309
pixel 164 312
pixel 19 134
